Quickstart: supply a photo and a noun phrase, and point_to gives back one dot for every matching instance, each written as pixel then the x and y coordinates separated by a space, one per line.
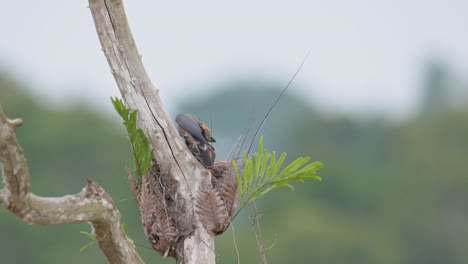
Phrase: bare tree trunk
pixel 173 164
pixel 171 155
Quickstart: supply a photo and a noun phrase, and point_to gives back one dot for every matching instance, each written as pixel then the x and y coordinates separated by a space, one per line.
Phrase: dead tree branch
pixel 172 158
pixel 91 204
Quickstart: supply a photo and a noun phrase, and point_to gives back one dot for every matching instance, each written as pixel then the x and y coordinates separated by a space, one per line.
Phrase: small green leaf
pixel 124 228
pixel 87 246
pixel 88 234
pixel 93 238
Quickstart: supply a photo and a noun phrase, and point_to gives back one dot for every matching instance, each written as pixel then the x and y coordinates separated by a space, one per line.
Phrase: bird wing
pixel 190 123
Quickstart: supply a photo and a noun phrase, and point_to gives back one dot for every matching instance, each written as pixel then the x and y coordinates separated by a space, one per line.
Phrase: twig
pixel 235 243
pixel 258 235
pixel 277 99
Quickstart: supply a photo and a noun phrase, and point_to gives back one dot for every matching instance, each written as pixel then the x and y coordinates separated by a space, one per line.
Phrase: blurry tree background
pixel 393 191
pixel 390 125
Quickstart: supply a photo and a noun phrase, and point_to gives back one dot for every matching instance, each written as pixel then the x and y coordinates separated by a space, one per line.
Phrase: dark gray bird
pixel 197 136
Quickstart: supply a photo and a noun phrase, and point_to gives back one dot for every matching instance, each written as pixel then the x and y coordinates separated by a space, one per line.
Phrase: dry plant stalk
pixel 216 205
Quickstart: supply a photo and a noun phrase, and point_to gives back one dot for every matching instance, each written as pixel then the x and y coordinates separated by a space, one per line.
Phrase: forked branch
pixel 91 204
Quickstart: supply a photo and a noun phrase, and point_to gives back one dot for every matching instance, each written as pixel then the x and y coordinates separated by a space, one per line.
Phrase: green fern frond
pixel 142 153
pixel 262 173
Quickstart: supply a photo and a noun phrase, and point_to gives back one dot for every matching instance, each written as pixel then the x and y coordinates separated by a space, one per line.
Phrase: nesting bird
pixel 197 137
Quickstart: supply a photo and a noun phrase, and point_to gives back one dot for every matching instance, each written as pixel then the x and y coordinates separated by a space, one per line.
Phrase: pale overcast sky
pixel 365 55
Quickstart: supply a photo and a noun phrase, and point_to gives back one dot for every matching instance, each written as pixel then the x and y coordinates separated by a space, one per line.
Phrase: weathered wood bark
pixel 172 156
pixel 91 204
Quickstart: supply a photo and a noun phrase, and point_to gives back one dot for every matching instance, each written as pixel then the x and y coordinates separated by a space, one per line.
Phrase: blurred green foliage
pixel 392 192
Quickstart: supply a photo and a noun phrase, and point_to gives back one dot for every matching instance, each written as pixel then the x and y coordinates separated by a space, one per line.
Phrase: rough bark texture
pixel 91 204
pixel 171 155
